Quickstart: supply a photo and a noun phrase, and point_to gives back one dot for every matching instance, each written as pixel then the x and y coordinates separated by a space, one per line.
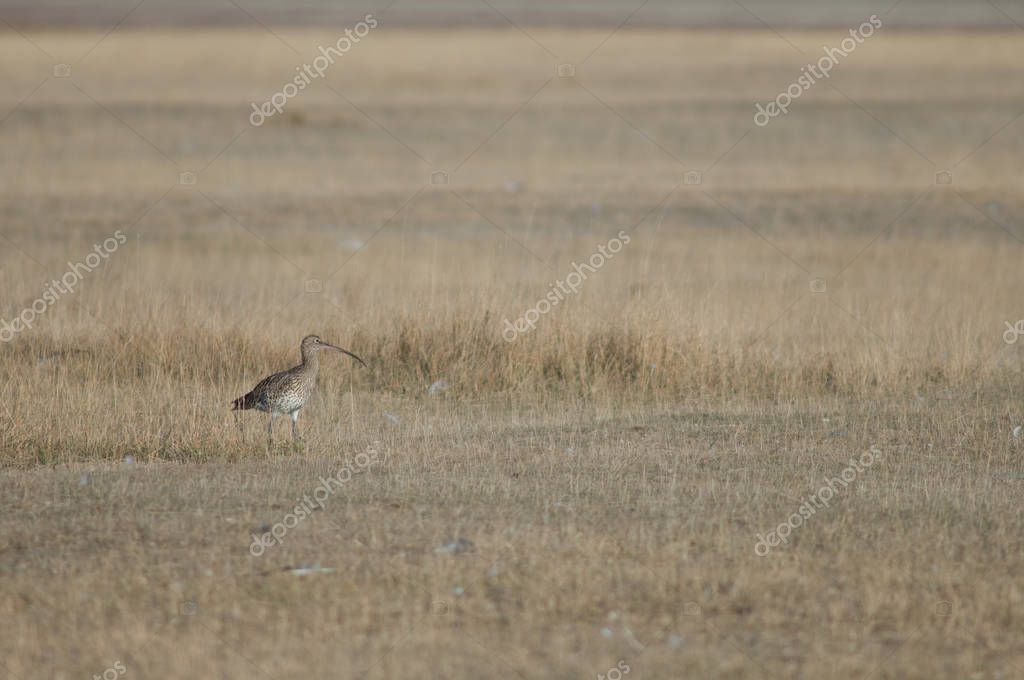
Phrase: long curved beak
pixel 345 351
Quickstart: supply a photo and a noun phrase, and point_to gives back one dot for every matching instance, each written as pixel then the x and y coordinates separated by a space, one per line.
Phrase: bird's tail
pixel 244 403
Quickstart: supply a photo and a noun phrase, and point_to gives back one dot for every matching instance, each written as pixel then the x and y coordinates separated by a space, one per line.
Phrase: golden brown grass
pixel 612 468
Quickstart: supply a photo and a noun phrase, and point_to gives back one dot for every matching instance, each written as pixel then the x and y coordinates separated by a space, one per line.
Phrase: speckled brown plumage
pixel 287 391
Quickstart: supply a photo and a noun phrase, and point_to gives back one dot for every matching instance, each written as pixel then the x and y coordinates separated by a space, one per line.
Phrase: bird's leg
pixel 295 426
pixel 270 430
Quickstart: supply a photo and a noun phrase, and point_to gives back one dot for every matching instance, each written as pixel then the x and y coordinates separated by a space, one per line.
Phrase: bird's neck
pixel 310 361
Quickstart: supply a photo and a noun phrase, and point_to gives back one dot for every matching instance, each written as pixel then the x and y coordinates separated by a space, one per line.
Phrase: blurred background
pixel 575 13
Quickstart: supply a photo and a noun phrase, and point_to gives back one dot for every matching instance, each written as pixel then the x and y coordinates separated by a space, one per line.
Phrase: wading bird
pixel 287 391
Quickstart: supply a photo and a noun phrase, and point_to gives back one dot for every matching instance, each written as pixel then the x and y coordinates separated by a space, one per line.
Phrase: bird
pixel 286 392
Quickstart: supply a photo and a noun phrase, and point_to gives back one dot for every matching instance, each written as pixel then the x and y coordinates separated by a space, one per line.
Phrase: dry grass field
pixel 586 497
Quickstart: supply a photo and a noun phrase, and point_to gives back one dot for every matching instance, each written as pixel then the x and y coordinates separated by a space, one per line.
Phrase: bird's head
pixel 312 344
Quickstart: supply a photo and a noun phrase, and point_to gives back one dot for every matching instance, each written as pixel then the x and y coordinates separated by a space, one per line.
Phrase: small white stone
pixel 456 547
pixel 309 569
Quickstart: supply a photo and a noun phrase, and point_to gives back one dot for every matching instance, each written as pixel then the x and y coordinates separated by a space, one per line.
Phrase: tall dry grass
pixel 146 355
